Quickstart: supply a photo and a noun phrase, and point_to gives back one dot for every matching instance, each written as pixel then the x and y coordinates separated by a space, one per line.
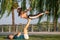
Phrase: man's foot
pixel 47 12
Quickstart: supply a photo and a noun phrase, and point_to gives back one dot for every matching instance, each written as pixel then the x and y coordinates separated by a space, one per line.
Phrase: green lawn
pixel 45 37
pixel 38 37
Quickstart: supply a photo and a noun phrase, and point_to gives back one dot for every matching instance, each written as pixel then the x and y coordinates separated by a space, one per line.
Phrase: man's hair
pixel 19 11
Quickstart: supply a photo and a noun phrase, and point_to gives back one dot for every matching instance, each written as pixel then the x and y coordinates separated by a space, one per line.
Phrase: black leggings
pixel 33 16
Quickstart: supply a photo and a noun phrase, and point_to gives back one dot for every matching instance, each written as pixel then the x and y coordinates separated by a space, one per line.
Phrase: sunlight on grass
pixel 38 37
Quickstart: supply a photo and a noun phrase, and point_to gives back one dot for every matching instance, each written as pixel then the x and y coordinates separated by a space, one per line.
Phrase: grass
pixel 39 37
pixel 46 37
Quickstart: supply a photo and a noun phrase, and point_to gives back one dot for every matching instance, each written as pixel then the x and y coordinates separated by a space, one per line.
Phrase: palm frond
pixel 32 4
pixel 3 8
pixel 14 5
pixel 9 5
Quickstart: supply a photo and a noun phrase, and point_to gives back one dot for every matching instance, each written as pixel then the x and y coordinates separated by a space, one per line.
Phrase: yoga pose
pixel 25 35
pixel 19 35
pixel 23 14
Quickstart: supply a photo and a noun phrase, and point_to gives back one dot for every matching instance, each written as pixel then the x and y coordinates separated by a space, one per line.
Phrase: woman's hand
pixel 28 9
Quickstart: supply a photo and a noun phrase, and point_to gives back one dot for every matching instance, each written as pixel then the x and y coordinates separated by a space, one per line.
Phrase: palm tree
pixel 14 6
pixel 49 5
pixel 54 5
pixel 37 5
pixel 9 5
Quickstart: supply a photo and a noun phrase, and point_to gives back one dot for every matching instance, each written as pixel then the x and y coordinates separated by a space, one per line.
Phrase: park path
pixel 33 33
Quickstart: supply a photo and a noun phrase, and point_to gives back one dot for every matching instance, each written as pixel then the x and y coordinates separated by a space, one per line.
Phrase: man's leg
pixel 25 29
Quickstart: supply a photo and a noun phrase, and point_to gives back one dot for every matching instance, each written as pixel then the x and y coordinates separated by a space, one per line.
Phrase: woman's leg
pixel 35 16
pixel 38 15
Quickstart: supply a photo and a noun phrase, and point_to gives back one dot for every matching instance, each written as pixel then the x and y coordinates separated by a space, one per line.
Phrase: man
pixel 23 14
pixel 25 35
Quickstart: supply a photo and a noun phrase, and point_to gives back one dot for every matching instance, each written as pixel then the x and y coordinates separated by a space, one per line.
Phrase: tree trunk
pixel 55 22
pixel 13 27
pixel 55 15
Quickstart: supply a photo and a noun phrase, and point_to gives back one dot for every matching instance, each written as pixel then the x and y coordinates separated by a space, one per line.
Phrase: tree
pixel 38 5
pixel 54 5
pixel 51 5
pixel 9 5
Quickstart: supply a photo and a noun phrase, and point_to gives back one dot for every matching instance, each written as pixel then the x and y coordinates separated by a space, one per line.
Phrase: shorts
pixel 26 36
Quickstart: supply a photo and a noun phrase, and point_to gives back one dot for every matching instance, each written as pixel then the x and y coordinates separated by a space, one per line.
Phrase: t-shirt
pixel 19 37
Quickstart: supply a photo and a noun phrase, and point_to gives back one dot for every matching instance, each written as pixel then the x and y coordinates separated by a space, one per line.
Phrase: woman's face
pixel 23 15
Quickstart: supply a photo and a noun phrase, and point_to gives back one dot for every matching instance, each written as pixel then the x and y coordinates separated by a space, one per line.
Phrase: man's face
pixel 11 36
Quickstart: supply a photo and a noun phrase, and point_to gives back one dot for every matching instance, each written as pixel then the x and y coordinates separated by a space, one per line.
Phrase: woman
pixel 23 14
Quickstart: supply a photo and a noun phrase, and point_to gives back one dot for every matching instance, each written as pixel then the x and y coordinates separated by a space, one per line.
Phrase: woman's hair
pixel 19 11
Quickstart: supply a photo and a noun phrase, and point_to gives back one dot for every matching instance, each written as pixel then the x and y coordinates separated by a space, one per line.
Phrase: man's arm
pixel 26 27
pixel 26 31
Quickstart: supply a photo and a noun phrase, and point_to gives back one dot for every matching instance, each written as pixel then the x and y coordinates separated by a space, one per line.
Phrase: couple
pixel 23 14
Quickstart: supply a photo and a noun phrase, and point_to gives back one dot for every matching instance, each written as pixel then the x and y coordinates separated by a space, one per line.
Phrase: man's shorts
pixel 26 36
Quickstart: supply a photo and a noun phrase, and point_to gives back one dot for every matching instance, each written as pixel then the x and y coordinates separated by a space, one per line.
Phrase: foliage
pixel 7 5
pixel 23 4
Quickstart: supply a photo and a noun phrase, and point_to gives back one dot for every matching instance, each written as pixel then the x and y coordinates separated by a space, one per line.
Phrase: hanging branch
pixel 5 5
pixel 13 4
pixel 9 6
pixel 23 4
pixel 32 5
pixel 40 9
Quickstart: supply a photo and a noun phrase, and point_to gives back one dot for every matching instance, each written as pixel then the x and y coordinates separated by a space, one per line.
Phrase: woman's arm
pixel 28 9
